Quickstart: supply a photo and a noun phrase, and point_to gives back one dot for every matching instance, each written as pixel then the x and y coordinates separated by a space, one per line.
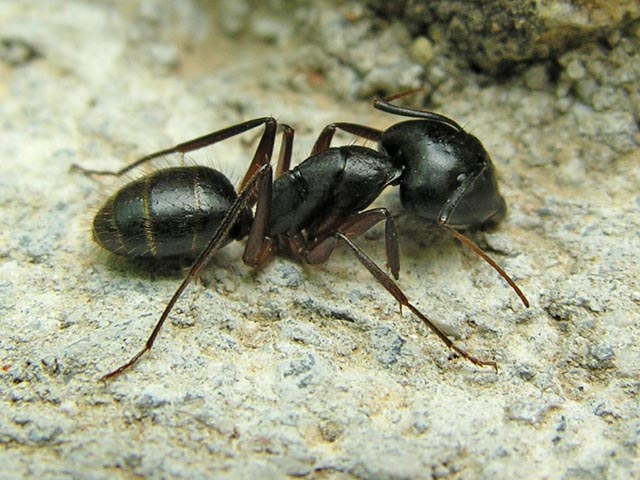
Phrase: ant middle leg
pixel 391 287
pixel 352 228
pixel 358 224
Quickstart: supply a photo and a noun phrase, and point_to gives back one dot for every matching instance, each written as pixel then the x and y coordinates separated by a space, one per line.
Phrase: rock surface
pixel 300 371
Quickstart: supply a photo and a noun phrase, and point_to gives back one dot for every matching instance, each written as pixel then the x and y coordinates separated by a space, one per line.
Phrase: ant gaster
pixel 444 173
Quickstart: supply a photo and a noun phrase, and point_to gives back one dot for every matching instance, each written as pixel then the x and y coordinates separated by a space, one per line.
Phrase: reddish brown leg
pixel 196 144
pixel 294 247
pixel 263 153
pixel 260 248
pixel 260 179
pixel 355 226
pixel 324 139
pixel 286 147
pixel 391 287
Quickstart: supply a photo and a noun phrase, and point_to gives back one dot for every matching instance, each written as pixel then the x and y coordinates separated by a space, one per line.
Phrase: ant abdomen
pixel 172 212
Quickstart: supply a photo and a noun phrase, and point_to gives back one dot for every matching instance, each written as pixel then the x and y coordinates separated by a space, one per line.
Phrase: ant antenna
pixel 481 253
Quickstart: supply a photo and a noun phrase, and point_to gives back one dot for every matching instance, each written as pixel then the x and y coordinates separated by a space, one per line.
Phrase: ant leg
pixel 260 248
pixel 263 152
pixel 286 147
pixel 391 287
pixel 260 178
pixel 191 145
pixel 324 139
pixel 294 247
pixel 355 226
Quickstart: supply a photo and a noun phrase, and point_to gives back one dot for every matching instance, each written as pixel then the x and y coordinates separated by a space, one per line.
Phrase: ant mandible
pixel 445 176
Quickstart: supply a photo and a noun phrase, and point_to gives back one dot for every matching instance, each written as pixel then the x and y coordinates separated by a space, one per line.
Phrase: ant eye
pixel 461 178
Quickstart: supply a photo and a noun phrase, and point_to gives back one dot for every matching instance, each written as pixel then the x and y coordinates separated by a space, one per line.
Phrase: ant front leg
pixel 196 144
pixel 324 139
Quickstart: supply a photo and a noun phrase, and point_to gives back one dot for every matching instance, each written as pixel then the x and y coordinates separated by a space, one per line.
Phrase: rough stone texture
pixel 496 35
pixel 300 371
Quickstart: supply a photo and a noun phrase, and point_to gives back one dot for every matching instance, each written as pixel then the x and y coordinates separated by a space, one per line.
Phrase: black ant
pixel 445 176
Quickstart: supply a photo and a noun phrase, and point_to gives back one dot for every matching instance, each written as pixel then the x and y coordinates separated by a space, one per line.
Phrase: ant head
pixel 448 176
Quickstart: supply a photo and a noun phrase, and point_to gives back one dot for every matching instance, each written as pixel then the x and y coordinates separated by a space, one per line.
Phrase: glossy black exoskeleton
pixel 444 173
pixel 172 212
pixel 447 175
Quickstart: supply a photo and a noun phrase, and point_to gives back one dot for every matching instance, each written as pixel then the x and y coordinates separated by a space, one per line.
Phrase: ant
pixel 444 173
